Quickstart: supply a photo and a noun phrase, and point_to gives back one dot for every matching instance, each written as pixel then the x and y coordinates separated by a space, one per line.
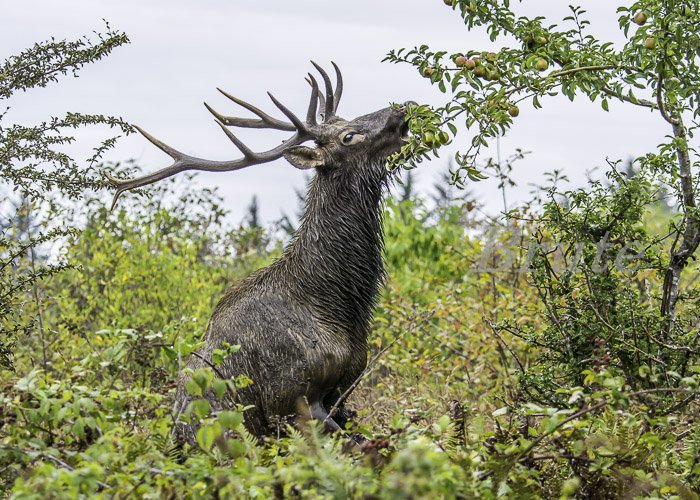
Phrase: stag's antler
pixel 303 131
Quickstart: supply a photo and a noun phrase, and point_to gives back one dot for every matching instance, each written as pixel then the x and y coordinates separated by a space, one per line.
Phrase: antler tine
pixel 322 107
pixel 313 103
pixel 181 162
pixel 115 182
pixel 338 87
pixel 123 185
pixel 184 162
pixel 301 126
pixel 247 152
pixel 128 184
pixel 235 121
pixel 329 108
pixel 266 121
pixel 170 151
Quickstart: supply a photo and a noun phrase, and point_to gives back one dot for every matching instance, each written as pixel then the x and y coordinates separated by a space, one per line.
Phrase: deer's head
pixel 341 143
pixel 338 143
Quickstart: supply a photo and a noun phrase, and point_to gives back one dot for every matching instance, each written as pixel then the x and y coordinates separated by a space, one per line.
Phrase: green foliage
pixel 146 266
pixel 484 93
pixel 612 327
pixel 655 68
pixel 551 352
pixel 96 418
pixel 117 326
pixel 598 283
pixel 35 173
pixel 414 244
pixel 439 406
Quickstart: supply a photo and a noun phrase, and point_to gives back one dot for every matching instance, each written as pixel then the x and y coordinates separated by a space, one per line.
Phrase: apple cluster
pixel 482 67
pixel 431 139
pixel 640 18
pixel 511 108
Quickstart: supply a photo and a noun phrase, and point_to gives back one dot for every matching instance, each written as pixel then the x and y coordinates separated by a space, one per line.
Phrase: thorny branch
pixel 524 454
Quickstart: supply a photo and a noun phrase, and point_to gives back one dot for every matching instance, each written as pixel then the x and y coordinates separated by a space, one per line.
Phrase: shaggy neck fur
pixel 336 254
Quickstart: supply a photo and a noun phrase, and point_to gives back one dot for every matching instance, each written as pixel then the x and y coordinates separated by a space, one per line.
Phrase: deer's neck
pixel 336 254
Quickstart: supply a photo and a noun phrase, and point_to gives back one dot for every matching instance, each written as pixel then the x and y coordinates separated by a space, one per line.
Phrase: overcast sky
pixel 181 51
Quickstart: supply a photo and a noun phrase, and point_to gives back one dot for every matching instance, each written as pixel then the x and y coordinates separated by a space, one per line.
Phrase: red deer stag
pixel 303 321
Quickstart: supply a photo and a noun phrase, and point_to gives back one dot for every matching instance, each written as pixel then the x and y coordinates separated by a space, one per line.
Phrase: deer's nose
pixel 405 105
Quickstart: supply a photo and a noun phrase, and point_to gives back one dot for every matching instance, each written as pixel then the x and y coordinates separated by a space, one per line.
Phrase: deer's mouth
pixel 404 132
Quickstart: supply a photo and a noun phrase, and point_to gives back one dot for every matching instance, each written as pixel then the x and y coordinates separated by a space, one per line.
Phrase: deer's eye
pixel 349 138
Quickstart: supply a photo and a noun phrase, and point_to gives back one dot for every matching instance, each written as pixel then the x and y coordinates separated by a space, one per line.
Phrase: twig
pixel 678 405
pixel 61 463
pixel 559 74
pixel 673 120
pixel 495 332
pixel 370 368
pixel 523 454
pixel 636 101
pixel 570 418
pixel 199 356
pixel 35 295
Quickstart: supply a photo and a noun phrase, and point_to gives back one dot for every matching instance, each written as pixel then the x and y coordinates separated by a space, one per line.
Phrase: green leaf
pixel 220 387
pixel 205 437
pixel 201 407
pixel 500 412
pixel 230 419
pixel 444 423
pixel 235 448
pixel 193 389
pixel 79 428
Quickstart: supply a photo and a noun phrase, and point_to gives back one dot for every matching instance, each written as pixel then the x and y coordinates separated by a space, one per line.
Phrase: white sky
pixel 181 51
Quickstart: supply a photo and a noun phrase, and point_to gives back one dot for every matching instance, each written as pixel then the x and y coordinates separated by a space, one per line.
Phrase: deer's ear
pixel 304 157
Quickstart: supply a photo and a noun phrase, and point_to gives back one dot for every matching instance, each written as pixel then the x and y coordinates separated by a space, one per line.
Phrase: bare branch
pixel 632 100
pixel 660 102
pixel 690 238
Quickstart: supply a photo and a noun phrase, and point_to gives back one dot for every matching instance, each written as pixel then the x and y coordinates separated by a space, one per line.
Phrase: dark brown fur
pixel 302 322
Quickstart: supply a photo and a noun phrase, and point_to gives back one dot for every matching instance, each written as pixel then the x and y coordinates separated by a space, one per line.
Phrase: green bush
pixel 550 352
